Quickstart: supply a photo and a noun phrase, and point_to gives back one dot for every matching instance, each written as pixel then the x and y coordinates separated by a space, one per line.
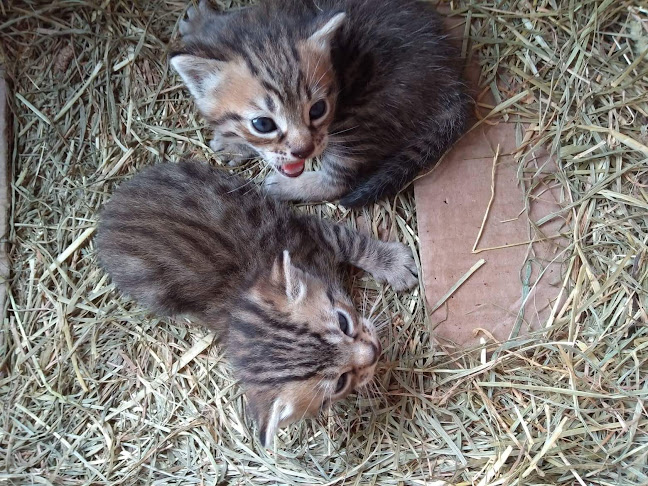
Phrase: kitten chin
pixel 373 86
pixel 189 239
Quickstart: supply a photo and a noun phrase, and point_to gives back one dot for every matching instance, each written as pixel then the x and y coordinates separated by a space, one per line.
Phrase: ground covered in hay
pixel 95 390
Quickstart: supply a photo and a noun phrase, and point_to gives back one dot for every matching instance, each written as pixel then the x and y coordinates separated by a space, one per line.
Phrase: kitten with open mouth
pixel 371 87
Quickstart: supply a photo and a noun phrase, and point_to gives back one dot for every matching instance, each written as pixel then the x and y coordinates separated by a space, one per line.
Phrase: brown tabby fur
pixel 389 78
pixel 190 239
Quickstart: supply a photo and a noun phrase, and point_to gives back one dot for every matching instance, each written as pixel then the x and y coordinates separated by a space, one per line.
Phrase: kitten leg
pixel 235 154
pixel 311 186
pixel 329 183
pixel 198 21
pixel 238 154
pixel 390 262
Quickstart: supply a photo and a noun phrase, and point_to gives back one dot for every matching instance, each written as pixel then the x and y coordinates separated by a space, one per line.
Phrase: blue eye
pixel 318 110
pixel 264 124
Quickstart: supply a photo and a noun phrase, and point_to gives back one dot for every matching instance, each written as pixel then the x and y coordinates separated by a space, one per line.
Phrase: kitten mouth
pixel 294 169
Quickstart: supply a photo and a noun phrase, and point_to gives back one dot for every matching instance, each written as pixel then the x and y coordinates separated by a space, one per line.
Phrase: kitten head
pixel 271 89
pixel 297 345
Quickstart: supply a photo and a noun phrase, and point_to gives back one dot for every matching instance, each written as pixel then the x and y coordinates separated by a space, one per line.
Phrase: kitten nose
pixel 303 152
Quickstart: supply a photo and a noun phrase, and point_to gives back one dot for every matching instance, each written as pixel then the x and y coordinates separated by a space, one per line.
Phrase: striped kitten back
pixel 372 87
pixel 188 239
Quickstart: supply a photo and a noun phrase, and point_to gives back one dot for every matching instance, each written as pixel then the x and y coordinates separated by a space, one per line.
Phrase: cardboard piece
pixel 451 203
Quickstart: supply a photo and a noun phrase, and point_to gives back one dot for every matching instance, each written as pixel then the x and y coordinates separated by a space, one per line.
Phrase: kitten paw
pixel 195 18
pixel 311 186
pixel 399 268
pixel 279 187
pixel 233 156
pixel 215 144
pixel 235 160
pixel 187 23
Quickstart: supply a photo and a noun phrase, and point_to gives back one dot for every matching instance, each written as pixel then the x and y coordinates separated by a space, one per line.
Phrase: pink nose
pixel 303 152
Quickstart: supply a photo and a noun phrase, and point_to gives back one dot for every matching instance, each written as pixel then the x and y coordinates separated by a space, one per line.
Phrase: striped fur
pixel 384 67
pixel 189 239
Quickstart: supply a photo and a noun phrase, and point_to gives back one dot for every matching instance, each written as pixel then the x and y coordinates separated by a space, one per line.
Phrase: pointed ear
pixel 268 412
pixel 292 279
pixel 199 74
pixel 321 39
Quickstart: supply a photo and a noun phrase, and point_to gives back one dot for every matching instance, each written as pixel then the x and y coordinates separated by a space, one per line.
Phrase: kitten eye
pixel 345 326
pixel 317 110
pixel 264 124
pixel 341 383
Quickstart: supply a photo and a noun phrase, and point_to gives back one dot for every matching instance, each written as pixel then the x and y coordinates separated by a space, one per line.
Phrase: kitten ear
pixel 321 39
pixel 199 74
pixel 268 412
pixel 291 278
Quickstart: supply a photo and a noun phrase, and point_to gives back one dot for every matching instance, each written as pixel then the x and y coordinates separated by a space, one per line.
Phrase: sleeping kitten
pixel 189 239
pixel 371 86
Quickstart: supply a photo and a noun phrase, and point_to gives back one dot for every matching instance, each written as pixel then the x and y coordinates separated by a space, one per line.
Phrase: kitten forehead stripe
pixel 229 116
pixel 280 380
pixel 284 324
pixel 275 90
pixel 270 104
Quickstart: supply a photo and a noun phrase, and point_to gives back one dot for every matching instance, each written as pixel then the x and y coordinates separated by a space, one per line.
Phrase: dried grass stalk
pixel 95 390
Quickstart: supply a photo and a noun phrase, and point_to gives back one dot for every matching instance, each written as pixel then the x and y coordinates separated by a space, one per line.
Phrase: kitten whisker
pixel 333 134
pixel 318 385
pixel 381 325
pixel 322 77
pixel 340 147
pixel 319 59
pixel 345 153
pixel 246 184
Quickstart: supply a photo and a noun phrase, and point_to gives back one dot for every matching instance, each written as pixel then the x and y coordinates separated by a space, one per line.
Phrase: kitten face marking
pixel 305 359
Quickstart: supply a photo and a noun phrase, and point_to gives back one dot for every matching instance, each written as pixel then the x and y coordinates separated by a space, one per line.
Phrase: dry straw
pixel 95 390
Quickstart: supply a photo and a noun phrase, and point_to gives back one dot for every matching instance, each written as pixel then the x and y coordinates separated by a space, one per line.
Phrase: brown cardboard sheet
pixel 516 287
pixel 451 204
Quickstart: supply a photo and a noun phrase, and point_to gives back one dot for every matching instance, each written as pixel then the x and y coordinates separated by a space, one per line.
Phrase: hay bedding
pixel 95 390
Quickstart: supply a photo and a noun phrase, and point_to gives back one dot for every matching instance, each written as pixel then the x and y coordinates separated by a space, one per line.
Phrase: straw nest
pixel 96 390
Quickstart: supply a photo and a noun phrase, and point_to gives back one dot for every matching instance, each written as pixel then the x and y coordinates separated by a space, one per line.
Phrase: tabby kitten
pixel 371 86
pixel 188 239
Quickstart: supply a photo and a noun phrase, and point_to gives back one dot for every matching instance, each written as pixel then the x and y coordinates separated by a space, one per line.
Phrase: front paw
pixel 194 19
pixel 234 156
pixel 236 160
pixel 278 186
pixel 397 267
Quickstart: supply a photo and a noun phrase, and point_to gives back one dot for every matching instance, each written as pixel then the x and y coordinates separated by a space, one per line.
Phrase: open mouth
pixel 294 169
